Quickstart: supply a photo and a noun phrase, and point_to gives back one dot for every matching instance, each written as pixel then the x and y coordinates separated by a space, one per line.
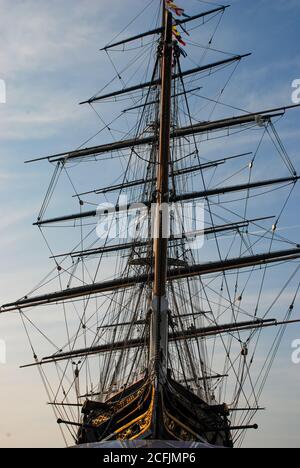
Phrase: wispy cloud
pixel 14 217
pixel 45 37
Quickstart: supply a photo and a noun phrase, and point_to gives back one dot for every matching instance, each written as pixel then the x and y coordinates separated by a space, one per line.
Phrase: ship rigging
pixel 158 339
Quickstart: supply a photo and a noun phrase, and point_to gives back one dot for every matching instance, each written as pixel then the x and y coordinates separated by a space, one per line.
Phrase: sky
pixel 50 61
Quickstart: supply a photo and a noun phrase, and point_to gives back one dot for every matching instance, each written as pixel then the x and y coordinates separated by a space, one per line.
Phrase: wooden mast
pixel 159 321
pixel 161 241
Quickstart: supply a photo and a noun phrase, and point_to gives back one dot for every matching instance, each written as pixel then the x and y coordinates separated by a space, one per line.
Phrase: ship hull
pixel 165 412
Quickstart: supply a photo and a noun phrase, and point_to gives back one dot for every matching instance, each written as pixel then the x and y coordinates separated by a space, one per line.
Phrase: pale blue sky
pixel 50 61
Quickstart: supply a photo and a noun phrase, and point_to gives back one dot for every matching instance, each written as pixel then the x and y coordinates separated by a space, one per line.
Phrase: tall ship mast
pixel 167 294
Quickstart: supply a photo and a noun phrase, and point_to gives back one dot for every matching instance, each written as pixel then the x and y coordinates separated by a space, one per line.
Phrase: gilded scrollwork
pixel 137 427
